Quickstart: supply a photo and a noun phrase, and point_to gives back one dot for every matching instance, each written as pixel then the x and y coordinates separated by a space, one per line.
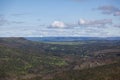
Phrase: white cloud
pixel 86 31
pixel 93 23
pixel 82 22
pixel 58 24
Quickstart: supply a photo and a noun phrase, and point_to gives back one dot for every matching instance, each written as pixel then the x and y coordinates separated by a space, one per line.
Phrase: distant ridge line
pixel 57 39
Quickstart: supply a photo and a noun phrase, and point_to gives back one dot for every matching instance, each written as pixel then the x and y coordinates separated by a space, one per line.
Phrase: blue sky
pixel 37 18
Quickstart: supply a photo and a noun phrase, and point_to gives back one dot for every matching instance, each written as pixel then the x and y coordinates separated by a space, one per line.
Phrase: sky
pixel 51 18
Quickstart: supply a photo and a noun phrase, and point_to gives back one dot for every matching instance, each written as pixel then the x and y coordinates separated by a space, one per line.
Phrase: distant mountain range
pixel 61 39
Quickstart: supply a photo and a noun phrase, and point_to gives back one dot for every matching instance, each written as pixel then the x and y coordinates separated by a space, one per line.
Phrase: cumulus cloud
pixel 58 24
pixel 62 25
pixel 109 9
pixel 96 23
pixel 80 23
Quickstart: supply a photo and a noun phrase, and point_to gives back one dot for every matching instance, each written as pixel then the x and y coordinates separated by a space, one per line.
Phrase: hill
pixel 106 72
pixel 22 59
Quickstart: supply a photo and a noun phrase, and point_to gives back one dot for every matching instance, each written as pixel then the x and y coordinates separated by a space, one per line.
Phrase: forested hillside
pixel 22 59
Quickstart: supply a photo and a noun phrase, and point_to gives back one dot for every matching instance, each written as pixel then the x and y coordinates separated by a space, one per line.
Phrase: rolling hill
pixel 23 59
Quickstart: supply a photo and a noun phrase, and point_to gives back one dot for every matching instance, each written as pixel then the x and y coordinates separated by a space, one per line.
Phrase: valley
pixel 25 59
